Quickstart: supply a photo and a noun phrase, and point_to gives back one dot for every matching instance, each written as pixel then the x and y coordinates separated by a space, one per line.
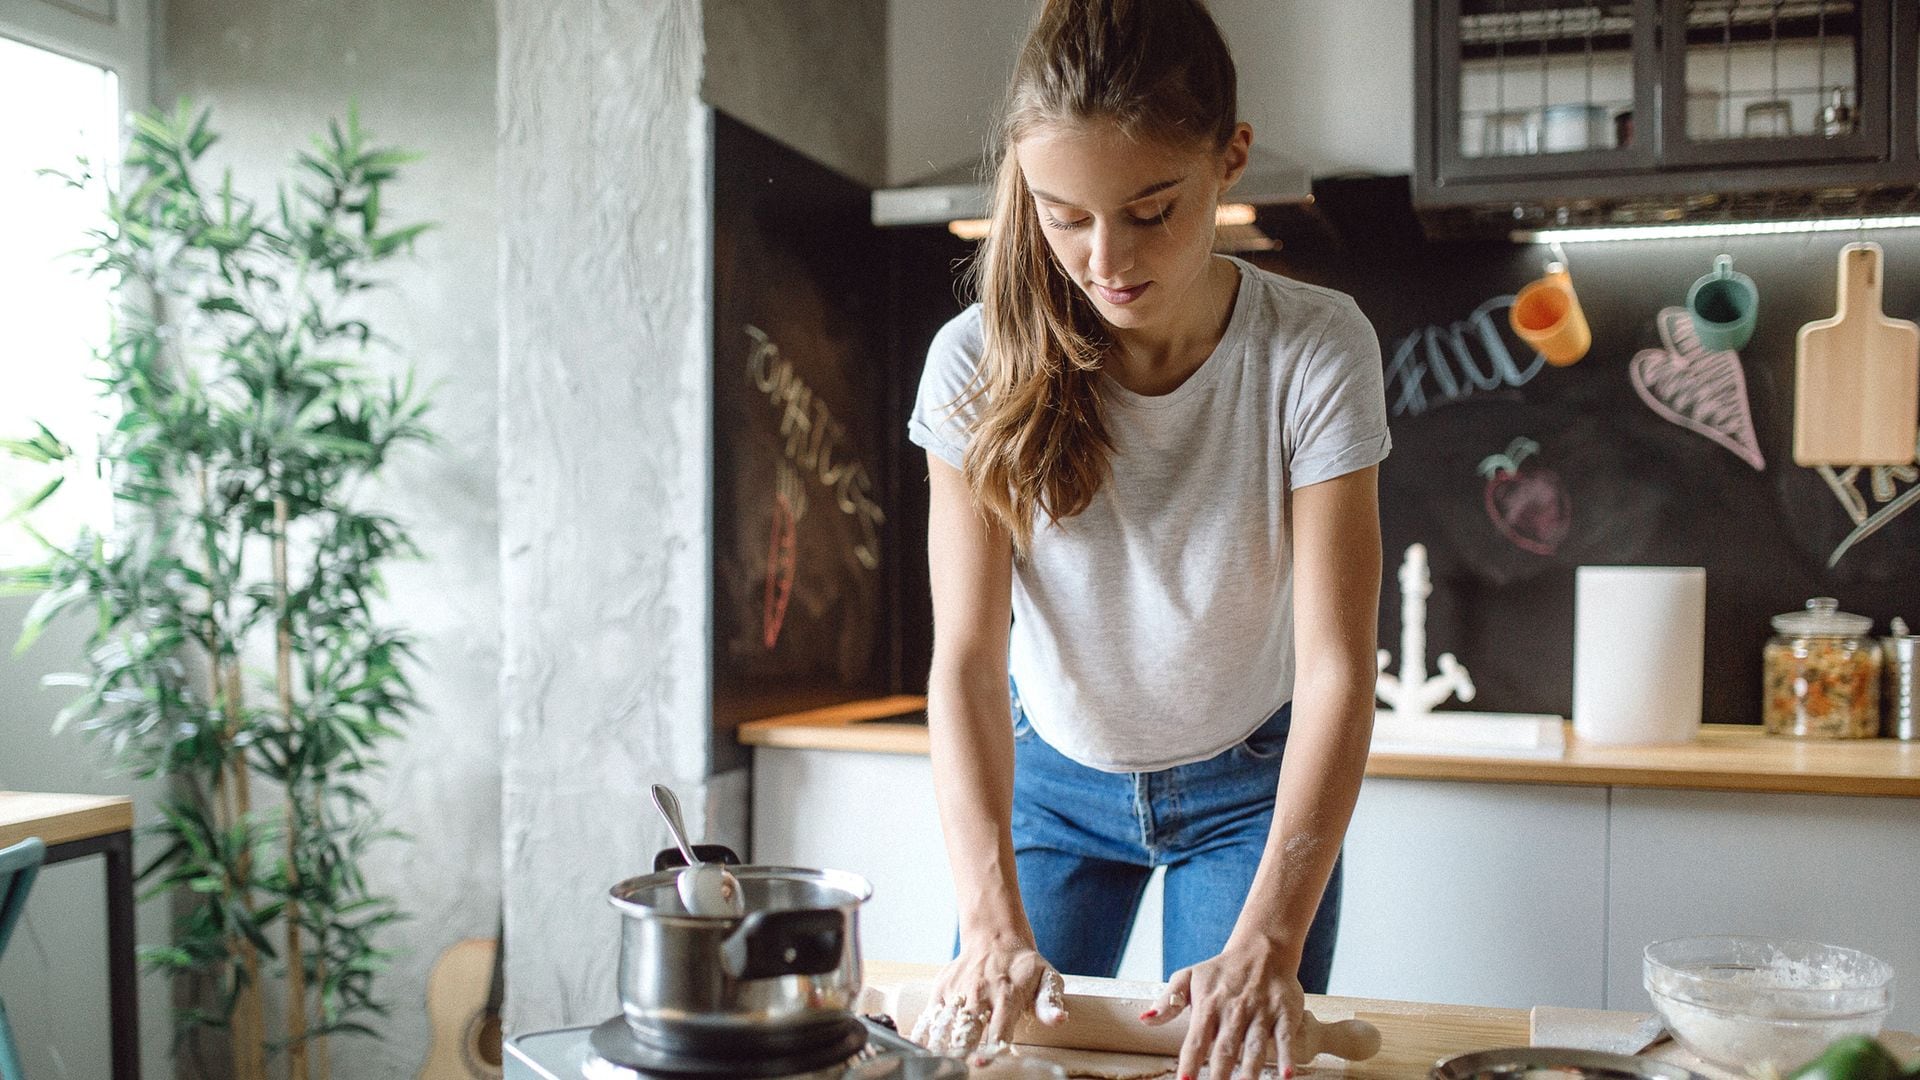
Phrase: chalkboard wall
pixel 1644 438
pixel 803 558
pixel 1662 468
pixel 1639 486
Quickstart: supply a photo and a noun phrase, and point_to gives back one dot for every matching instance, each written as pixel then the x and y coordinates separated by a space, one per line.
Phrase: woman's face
pixel 1130 222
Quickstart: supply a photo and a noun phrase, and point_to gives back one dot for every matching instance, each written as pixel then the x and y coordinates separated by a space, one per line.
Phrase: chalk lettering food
pixel 1525 500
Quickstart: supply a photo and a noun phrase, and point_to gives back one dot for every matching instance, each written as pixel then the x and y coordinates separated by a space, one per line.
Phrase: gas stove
pixel 608 1051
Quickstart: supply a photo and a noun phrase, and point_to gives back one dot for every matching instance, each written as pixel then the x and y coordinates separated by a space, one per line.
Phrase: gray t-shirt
pixel 1155 627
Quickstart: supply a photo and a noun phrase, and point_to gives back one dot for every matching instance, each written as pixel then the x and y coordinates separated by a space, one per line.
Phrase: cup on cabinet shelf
pixel 1767 120
pixel 1623 128
pixel 1511 133
pixel 1570 127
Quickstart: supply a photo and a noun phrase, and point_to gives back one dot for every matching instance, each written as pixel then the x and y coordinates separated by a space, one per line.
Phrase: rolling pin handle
pixel 1355 1040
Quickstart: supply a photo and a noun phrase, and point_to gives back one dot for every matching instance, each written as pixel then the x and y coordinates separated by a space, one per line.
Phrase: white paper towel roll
pixel 1639 650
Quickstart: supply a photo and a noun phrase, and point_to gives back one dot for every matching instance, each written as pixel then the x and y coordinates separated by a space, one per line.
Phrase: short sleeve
pixel 937 423
pixel 1338 421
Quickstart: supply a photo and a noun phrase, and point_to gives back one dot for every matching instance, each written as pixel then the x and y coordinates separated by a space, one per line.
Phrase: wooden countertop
pixel 1413 1035
pixel 57 819
pixel 1725 757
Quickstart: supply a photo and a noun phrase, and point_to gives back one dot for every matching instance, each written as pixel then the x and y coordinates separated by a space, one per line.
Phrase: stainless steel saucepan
pixel 785 975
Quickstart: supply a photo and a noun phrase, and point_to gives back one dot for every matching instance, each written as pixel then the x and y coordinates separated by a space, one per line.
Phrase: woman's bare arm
pixel 999 975
pixel 970 567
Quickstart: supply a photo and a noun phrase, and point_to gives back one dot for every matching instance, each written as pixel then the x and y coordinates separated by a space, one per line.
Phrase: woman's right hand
pixel 985 992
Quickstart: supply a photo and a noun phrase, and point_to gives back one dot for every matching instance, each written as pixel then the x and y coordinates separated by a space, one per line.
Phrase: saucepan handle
pixel 768 944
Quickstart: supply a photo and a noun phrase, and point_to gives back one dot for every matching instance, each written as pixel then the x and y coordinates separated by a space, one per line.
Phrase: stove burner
pixel 615 1042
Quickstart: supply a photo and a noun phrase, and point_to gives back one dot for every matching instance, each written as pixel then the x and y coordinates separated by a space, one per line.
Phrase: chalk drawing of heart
pixel 1702 390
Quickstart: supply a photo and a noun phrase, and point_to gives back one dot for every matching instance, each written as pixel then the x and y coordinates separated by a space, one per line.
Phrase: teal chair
pixel 18 865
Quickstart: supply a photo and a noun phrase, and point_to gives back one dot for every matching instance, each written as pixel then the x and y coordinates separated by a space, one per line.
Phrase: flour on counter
pixel 1100 1065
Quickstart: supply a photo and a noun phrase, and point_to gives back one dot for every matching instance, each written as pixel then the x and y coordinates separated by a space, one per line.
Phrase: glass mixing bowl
pixel 1759 1004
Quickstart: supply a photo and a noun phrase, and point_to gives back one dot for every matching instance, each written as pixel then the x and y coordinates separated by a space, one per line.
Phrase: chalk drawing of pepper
pixel 1525 500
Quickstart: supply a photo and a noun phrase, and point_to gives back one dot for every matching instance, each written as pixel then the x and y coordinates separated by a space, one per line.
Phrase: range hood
pixel 957 194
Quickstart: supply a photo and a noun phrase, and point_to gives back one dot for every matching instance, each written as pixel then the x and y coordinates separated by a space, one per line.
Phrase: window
pixel 53 317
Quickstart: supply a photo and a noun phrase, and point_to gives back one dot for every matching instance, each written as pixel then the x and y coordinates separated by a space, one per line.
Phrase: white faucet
pixel 1413 694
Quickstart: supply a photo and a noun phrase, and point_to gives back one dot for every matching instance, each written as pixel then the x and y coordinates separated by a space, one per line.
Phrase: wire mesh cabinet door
pixel 1775 81
pixel 1541 88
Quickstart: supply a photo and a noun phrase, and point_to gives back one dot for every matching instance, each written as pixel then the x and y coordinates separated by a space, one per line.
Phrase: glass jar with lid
pixel 1822 674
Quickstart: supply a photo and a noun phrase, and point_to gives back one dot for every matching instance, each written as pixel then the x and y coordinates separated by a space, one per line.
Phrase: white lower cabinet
pixel 874 814
pixel 1479 894
pixel 1839 869
pixel 1476 893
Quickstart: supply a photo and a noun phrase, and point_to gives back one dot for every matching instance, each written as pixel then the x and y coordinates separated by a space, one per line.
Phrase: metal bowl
pixel 1555 1063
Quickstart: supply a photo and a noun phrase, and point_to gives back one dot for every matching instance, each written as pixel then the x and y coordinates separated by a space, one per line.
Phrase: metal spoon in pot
pixel 705 888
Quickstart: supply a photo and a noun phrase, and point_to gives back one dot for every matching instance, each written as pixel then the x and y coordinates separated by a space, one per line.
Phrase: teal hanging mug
pixel 1723 304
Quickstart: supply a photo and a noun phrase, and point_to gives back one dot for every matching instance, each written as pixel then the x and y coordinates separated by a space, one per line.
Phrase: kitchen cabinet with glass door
pixel 1785 104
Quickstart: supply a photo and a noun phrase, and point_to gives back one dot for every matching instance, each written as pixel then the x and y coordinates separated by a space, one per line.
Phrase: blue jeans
pixel 1086 841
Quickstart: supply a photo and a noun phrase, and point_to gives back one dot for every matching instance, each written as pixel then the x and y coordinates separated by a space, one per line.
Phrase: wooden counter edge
pixel 59 818
pixel 1588 774
pixel 860 727
pixel 885 974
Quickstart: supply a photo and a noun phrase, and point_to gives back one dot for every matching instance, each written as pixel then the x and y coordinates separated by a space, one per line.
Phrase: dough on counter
pixel 1100 1065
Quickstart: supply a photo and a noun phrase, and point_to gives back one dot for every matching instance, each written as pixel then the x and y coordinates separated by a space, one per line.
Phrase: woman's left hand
pixel 1246 1004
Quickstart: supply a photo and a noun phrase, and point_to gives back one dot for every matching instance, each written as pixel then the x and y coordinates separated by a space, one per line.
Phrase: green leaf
pixel 27 505
pixel 45 610
pixel 222 303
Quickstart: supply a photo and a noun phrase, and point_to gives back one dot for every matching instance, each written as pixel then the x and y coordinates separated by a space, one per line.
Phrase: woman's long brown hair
pixel 1160 71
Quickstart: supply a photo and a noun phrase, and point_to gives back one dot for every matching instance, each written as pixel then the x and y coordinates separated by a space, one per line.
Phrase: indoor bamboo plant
pixel 237 648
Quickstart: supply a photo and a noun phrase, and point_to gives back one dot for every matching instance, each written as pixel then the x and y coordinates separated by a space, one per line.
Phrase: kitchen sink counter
pixel 1725 757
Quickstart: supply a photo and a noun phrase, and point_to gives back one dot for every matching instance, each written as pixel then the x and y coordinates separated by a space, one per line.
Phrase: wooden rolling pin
pixel 1111 1022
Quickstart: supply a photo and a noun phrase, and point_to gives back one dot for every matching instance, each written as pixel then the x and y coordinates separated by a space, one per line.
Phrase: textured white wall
pixel 605 381
pixel 947 67
pixel 810 73
pixel 1329 82
pixel 422 73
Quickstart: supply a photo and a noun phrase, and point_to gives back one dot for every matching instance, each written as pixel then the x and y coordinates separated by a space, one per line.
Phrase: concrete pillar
pixel 603 146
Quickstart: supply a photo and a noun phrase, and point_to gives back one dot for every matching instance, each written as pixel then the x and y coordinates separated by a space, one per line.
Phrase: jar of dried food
pixel 1822 674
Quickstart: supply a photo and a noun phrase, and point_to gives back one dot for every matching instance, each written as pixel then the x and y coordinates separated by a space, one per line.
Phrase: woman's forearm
pixel 970 728
pixel 1320 775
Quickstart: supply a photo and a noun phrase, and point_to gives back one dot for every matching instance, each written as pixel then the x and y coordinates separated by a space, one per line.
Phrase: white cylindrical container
pixel 1639 653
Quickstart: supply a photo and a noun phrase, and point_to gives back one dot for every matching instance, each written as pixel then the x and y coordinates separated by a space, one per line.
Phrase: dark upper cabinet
pixel 1535 88
pixel 1767 83
pixel 1556 105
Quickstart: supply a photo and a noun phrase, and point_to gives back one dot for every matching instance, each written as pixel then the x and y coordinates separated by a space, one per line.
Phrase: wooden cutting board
pixel 1857 376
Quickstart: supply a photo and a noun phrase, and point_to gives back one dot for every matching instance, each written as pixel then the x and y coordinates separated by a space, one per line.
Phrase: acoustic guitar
pixel 463 1006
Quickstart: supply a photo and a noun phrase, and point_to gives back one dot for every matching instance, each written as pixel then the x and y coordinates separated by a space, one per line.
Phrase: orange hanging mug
pixel 1546 314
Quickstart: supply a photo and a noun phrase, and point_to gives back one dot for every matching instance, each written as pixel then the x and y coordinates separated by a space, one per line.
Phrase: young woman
pixel 1153 502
